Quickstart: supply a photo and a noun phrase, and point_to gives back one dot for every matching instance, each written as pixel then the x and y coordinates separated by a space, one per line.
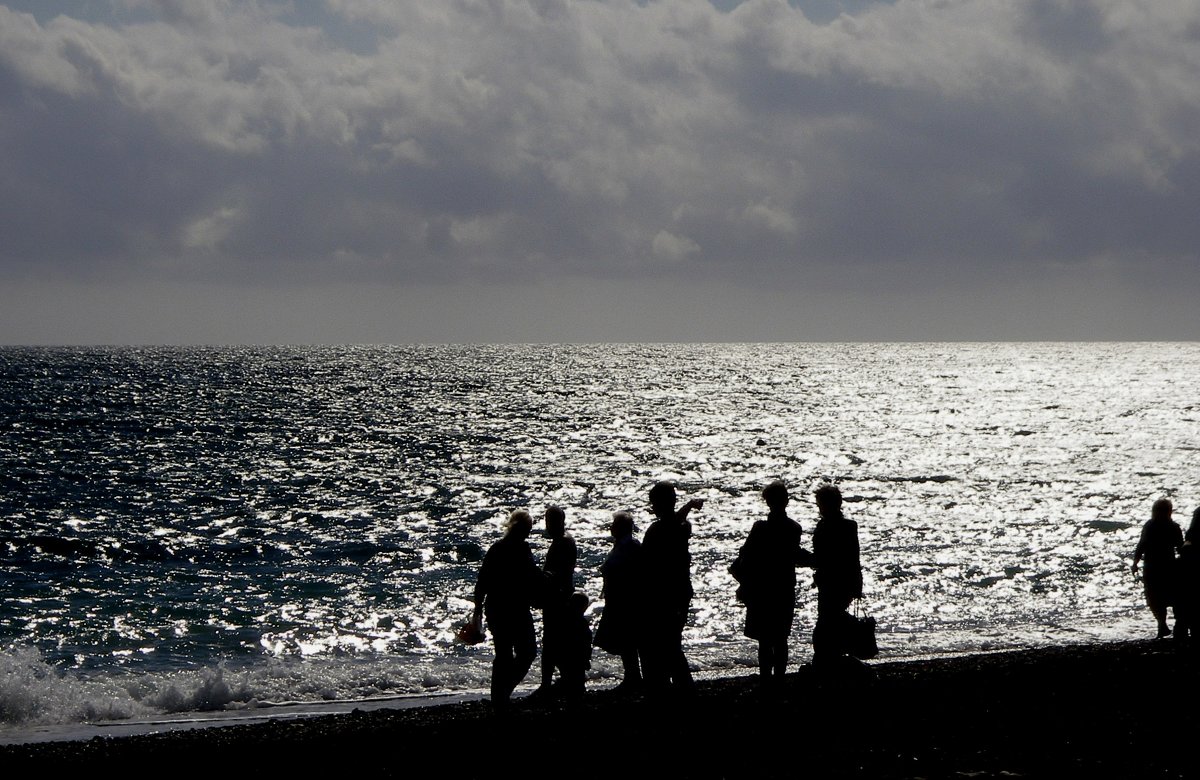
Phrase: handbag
pixel 860 636
pixel 471 632
pixel 741 572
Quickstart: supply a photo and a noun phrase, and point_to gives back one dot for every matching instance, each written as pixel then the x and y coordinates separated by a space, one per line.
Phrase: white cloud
pixel 207 232
pixel 765 216
pixel 673 248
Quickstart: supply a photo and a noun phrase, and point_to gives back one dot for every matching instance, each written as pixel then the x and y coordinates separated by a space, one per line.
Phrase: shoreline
pixel 1099 710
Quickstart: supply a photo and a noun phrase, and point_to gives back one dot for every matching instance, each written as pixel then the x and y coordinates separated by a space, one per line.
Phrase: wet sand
pixel 1109 710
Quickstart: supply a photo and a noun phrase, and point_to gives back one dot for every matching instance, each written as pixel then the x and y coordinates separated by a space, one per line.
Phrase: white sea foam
pixel 33 692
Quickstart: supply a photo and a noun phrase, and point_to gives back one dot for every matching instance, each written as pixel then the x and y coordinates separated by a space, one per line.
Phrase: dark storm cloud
pixel 384 142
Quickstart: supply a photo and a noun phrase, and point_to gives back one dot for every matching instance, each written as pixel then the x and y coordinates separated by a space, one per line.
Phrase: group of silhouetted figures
pixel 648 592
pixel 1171 570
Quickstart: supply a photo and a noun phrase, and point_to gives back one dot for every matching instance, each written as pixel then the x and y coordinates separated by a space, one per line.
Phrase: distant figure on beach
pixel 838 574
pixel 506 588
pixel 765 568
pixel 575 647
pixel 559 570
pixel 1187 583
pixel 668 578
pixel 620 628
pixel 1161 537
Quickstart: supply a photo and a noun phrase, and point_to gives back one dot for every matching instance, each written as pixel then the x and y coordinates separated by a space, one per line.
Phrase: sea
pixel 189 532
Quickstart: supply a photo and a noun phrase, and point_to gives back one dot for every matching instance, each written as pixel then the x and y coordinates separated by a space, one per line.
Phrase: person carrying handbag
pixel 765 569
pixel 838 577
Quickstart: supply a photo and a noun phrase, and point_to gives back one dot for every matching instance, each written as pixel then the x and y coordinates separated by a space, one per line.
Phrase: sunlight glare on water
pixel 319 513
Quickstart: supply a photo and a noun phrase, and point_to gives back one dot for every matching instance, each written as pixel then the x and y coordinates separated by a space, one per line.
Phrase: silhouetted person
pixel 559 569
pixel 1161 537
pixel 1187 583
pixel 620 628
pixel 505 589
pixel 766 568
pixel 575 646
pixel 668 578
pixel 838 574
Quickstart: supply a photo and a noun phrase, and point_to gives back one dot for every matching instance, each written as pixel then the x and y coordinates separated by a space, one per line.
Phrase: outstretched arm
pixel 682 512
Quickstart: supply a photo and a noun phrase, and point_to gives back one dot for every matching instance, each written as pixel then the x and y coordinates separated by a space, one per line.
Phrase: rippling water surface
pixel 183 528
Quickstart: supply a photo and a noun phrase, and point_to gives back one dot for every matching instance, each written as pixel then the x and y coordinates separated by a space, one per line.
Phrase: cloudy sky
pixel 396 171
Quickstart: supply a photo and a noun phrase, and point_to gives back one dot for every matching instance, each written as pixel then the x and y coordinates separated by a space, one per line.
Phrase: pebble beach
pixel 1095 710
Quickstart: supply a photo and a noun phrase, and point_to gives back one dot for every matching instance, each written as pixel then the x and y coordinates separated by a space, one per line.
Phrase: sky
pixel 433 171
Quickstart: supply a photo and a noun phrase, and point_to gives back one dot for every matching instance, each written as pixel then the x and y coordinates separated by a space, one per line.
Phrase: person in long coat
pixel 766 570
pixel 620 628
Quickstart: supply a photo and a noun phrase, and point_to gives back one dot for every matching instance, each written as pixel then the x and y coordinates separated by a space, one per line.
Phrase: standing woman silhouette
pixel 766 568
pixel 620 629
pixel 1161 537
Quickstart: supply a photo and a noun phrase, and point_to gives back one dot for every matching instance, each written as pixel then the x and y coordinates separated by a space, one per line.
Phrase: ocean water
pixel 198 529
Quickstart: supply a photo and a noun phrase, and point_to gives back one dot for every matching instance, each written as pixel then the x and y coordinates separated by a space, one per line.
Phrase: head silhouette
pixel 829 500
pixel 1161 510
pixel 518 524
pixel 556 522
pixel 622 525
pixel 662 498
pixel 776 494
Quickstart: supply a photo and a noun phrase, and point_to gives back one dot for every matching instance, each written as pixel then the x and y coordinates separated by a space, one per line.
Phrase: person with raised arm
pixel 668 578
